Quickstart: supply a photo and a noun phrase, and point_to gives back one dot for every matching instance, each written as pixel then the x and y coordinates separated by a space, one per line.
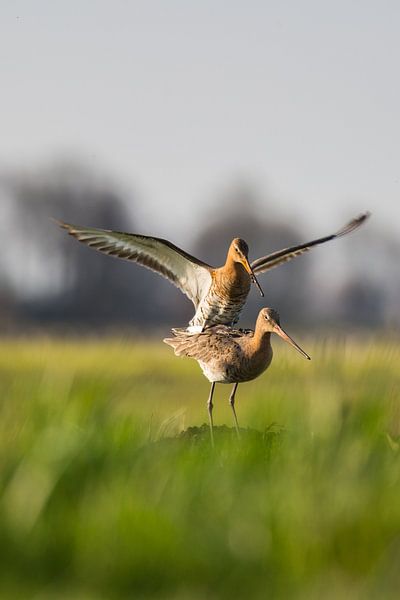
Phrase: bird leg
pixel 232 403
pixel 210 409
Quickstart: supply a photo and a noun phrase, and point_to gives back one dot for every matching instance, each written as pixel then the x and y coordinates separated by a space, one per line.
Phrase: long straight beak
pixel 253 277
pixel 278 329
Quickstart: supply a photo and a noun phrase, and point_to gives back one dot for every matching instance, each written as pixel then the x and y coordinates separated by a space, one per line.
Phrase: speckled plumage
pixel 226 297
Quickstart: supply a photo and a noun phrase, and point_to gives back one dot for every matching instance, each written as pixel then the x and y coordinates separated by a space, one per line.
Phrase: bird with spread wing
pixel 218 294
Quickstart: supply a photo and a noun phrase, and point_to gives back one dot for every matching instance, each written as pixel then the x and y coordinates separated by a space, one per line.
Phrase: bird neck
pixel 261 340
pixel 235 271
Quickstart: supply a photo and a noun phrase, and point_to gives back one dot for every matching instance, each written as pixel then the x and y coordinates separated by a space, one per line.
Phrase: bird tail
pixel 179 330
pixel 181 343
pixel 175 343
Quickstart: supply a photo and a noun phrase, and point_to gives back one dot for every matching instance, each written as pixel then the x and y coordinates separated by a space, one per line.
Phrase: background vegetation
pixel 102 496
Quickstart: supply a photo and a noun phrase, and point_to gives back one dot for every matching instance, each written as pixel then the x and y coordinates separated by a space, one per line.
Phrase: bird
pixel 228 355
pixel 218 294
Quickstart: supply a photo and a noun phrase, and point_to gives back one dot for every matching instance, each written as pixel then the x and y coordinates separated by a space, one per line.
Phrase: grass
pixel 110 488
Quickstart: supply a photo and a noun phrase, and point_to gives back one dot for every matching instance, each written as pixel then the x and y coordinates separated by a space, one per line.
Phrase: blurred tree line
pixel 48 280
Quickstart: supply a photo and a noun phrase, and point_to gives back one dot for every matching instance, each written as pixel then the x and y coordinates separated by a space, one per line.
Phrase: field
pixel 103 496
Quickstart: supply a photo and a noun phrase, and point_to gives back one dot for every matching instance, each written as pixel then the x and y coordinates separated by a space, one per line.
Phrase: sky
pixel 179 101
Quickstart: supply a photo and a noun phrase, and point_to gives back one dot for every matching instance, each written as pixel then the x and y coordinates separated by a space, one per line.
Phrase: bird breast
pixel 233 283
pixel 225 299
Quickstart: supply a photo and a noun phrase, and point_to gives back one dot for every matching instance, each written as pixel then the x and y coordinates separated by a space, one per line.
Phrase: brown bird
pixel 228 355
pixel 218 294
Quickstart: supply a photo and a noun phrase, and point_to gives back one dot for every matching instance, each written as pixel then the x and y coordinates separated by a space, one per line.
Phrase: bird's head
pixel 268 321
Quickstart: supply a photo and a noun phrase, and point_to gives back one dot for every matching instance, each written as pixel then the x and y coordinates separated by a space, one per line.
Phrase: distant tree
pixel 370 295
pixel 8 312
pixel 362 304
pixel 56 279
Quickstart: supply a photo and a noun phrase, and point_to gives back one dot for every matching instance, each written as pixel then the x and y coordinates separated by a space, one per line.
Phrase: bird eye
pixel 237 249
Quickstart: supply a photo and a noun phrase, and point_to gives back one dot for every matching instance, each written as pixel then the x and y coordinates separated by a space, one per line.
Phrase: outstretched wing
pixel 188 273
pixel 281 256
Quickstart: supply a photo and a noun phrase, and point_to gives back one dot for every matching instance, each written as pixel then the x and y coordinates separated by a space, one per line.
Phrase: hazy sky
pixel 180 99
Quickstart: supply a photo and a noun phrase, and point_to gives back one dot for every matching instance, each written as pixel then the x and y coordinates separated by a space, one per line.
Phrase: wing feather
pixel 190 275
pixel 281 256
pixel 213 343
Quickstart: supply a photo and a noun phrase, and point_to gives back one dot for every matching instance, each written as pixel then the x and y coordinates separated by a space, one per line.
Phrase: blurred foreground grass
pixel 98 500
